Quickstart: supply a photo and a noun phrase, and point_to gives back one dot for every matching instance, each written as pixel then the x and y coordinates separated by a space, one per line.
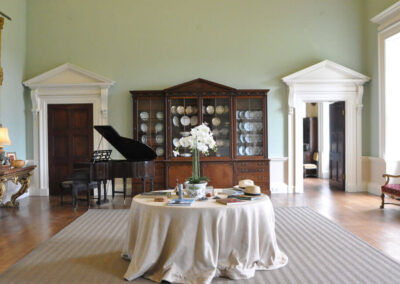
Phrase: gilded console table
pixel 16 175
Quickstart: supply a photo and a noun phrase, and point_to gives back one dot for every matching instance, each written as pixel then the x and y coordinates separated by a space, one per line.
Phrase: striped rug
pixel 319 251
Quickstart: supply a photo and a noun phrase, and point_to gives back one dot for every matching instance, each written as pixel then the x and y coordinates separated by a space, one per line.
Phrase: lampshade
pixel 4 138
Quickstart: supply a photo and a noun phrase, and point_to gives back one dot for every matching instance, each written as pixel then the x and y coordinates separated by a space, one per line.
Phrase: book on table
pixel 156 193
pixel 181 202
pixel 246 198
pixel 231 201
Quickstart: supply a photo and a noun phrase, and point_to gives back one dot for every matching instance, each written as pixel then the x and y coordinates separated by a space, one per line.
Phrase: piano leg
pixel 105 191
pixel 113 187
pixel 99 193
pixel 124 182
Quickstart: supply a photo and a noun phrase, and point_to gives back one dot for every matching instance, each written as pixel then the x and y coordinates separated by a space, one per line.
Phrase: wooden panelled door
pixel 337 172
pixel 70 131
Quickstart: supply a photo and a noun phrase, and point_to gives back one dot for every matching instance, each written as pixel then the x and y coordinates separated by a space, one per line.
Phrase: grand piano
pixel 139 162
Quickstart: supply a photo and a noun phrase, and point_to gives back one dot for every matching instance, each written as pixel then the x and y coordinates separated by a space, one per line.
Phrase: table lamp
pixel 4 140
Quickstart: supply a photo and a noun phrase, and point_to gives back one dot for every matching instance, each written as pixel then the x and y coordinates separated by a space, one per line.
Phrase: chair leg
pixel 75 197
pixel 113 187
pixel 88 197
pixel 99 193
pixel 383 200
pixel 61 195
pixel 124 184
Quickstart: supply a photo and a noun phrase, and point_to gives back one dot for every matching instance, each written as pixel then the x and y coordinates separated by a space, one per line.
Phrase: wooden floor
pixel 37 219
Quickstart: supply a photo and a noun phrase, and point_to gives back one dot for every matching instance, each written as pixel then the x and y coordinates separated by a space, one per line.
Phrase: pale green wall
pixel 152 44
pixel 370 58
pixel 12 103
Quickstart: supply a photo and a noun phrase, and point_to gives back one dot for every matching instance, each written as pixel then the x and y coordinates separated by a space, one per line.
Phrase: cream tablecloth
pixel 195 244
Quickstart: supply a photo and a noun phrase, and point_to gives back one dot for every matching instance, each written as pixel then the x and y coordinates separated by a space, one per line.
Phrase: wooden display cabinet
pixel 238 121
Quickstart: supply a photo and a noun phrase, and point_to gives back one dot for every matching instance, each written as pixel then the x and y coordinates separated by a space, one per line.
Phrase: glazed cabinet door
pixel 183 116
pixel 149 123
pixel 251 127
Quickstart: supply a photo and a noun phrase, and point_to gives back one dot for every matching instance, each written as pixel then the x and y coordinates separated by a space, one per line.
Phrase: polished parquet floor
pixel 39 218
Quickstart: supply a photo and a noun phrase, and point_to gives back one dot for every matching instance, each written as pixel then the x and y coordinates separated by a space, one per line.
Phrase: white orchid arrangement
pixel 199 141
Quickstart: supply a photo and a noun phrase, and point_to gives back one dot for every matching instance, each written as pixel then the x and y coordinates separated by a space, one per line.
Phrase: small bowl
pixel 18 163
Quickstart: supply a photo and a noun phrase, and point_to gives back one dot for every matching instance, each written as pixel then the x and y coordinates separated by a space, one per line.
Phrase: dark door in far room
pixel 70 130
pixel 337 172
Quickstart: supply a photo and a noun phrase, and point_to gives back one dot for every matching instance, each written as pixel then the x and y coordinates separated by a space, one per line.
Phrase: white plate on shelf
pixel 158 127
pixel 216 121
pixel 144 115
pixel 194 120
pixel 226 109
pixel 159 139
pixel 160 115
pixel 219 109
pixel 143 127
pixel 242 150
pixel 185 120
pixel 144 139
pixel 210 109
pixel 180 110
pixel 186 154
pixel 175 141
pixel 185 133
pixel 249 151
pixel 159 151
pixel 242 138
pixel 175 121
pixel 173 110
pixel 189 110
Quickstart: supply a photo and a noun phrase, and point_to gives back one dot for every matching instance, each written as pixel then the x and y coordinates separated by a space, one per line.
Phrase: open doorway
pixel 324 145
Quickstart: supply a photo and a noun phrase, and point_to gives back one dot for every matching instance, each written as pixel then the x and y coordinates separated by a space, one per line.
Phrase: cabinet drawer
pixel 257 171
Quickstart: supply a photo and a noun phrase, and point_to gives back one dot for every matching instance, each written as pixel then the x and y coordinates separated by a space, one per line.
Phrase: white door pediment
pixel 326 72
pixel 326 81
pixel 68 75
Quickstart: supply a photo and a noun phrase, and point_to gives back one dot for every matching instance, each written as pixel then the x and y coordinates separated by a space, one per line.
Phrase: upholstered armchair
pixel 392 190
pixel 311 169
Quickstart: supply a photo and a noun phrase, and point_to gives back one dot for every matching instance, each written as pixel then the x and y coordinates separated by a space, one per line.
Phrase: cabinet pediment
pixel 199 85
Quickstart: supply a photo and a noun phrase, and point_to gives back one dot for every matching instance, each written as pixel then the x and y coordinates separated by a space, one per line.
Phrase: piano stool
pixel 79 182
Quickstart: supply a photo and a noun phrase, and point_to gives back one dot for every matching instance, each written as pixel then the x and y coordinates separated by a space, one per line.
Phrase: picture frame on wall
pixel 11 156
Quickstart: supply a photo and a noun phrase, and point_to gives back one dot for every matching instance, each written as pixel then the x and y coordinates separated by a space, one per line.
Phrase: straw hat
pixel 245 182
pixel 252 190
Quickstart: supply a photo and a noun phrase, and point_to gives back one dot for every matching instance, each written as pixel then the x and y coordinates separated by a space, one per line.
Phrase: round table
pixel 194 244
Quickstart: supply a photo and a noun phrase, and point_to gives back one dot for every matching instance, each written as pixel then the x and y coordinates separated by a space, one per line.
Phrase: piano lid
pixel 131 149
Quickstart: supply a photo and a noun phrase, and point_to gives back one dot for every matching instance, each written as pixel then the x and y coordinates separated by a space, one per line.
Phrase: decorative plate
pixel 189 110
pixel 175 142
pixel 194 120
pixel 185 133
pixel 180 110
pixel 216 121
pixel 159 151
pixel 158 127
pixel 144 115
pixel 175 121
pixel 185 120
pixel 143 127
pixel 144 139
pixel 219 109
pixel 160 115
pixel 159 139
pixel 210 110
pixel 173 110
